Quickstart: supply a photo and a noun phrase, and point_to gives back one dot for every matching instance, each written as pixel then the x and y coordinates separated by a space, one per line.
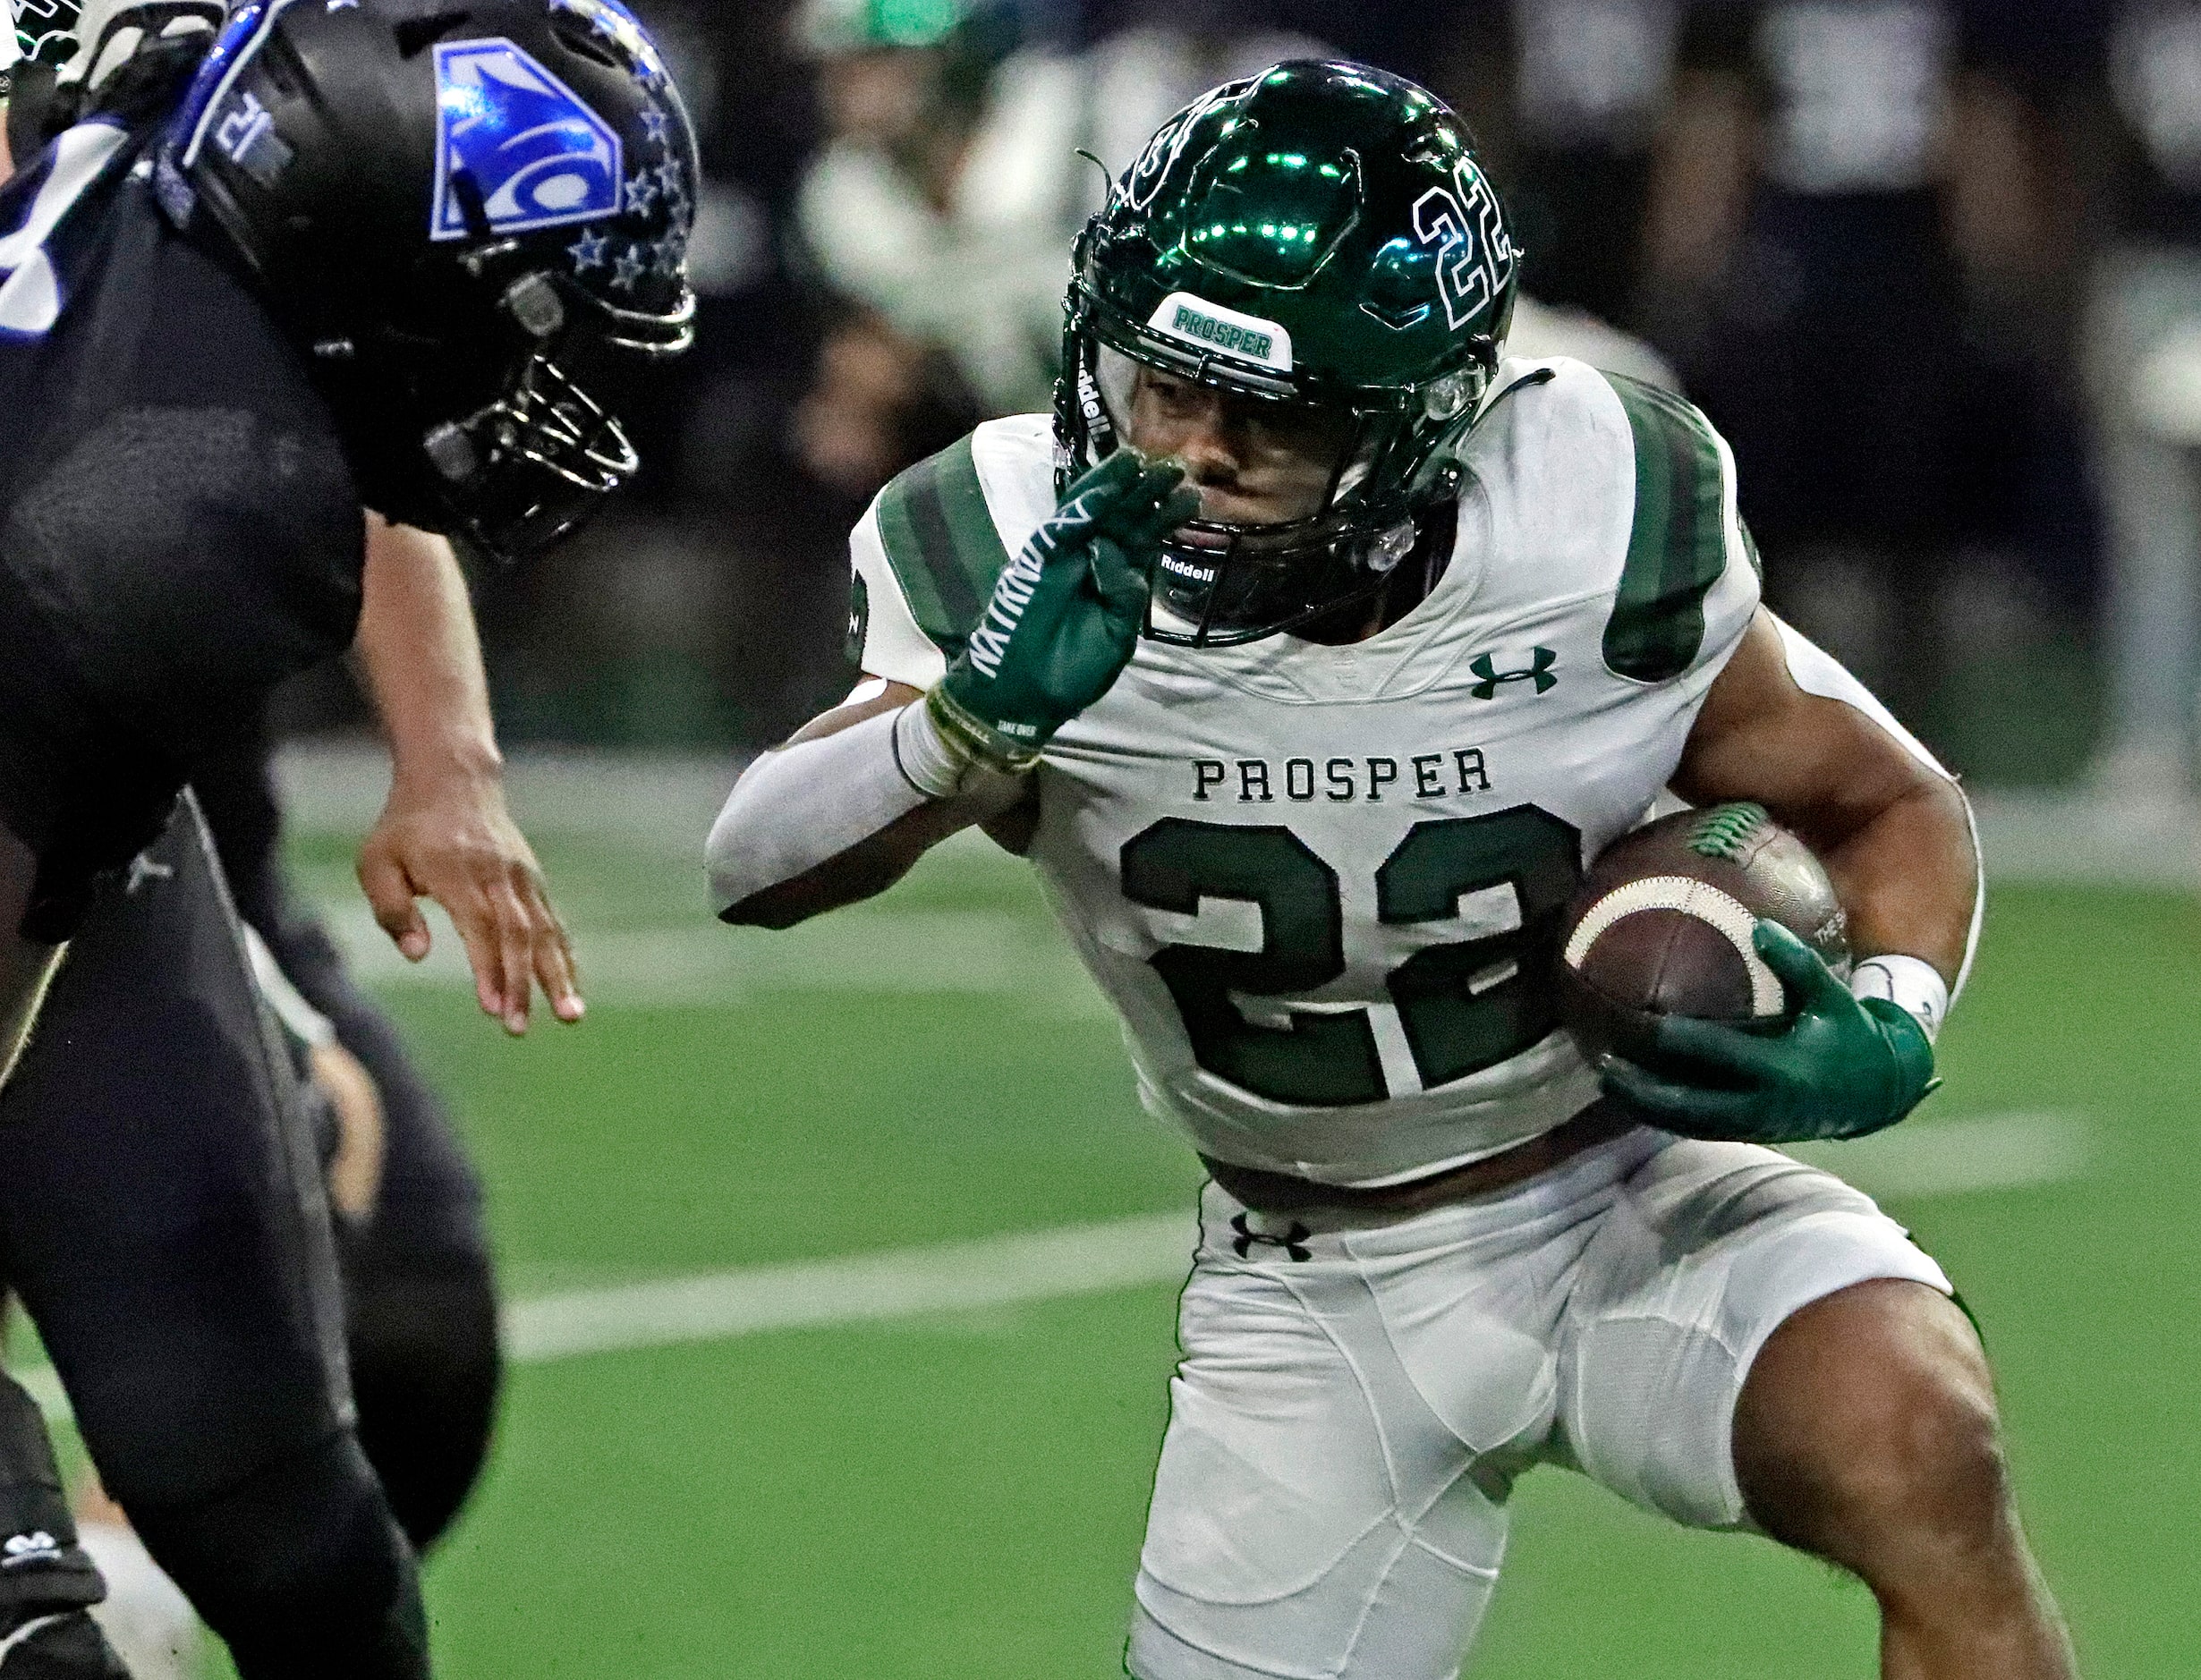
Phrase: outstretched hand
pixel 452 840
pixel 1840 1067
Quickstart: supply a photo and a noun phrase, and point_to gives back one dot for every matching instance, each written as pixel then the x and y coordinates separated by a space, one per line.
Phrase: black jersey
pixel 178 529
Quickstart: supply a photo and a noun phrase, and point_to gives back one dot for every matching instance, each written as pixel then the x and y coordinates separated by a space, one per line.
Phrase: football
pixel 1662 925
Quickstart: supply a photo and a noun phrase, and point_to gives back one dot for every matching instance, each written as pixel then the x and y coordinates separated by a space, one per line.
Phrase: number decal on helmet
pixel 1474 253
pixel 1161 152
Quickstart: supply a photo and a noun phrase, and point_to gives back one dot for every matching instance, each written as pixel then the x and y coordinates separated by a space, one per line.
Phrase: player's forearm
pixel 421 658
pixel 1909 877
pixel 835 816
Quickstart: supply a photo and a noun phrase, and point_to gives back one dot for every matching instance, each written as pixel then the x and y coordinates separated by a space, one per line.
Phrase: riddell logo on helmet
pixel 1211 326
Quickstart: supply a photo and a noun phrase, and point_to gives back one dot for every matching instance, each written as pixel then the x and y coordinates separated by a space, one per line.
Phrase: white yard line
pixel 996 1271
pixel 661 804
pixel 1952 1157
pixel 1940 1158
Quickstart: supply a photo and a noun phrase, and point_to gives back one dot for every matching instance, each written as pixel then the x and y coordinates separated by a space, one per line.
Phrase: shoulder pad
pixel 940 539
pixel 1677 544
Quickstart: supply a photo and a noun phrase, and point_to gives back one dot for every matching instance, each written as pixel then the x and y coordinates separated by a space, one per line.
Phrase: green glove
pixel 1840 1067
pixel 1065 617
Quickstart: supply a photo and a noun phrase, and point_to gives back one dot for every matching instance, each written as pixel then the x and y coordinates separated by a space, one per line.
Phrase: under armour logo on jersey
pixel 1537 671
pixel 536 152
pixel 1293 1241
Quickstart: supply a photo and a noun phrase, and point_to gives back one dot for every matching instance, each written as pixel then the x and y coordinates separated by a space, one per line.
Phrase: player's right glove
pixel 1842 1067
pixel 1065 615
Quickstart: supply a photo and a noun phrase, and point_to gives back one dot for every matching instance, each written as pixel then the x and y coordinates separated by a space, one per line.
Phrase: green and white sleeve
pixel 926 555
pixel 1691 581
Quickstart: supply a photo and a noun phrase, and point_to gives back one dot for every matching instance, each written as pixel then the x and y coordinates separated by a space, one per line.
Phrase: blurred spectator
pixel 942 206
pixel 1566 98
pixel 1159 55
pixel 2120 83
pixel 1798 273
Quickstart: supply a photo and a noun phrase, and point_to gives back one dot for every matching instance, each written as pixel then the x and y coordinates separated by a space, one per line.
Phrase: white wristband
pixel 927 762
pixel 1908 983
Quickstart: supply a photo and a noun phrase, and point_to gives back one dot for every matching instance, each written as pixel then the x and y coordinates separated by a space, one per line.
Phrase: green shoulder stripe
pixel 940 541
pixel 1678 545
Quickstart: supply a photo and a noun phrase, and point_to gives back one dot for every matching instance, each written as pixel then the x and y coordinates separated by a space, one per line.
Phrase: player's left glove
pixel 1839 1068
pixel 1064 617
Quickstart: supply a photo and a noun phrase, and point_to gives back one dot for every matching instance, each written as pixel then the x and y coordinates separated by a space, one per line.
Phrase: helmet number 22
pixel 1474 250
pixel 1463 1006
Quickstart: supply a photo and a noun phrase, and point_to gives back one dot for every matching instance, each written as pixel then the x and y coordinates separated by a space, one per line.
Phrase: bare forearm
pixel 1892 829
pixel 1909 878
pixel 421 657
pixel 446 833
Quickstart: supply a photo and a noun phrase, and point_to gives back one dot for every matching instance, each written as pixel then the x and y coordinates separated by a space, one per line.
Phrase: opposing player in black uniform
pixel 361 234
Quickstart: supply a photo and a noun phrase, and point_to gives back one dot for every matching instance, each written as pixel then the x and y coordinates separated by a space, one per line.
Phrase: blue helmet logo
pixel 537 152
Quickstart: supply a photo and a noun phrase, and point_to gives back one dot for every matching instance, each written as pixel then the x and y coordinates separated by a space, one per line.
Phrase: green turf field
pixel 960 1495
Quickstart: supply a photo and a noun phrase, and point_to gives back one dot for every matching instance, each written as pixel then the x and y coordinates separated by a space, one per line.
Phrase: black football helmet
pixel 462 214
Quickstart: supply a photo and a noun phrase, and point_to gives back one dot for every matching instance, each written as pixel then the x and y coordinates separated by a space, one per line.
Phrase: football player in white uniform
pixel 1309 652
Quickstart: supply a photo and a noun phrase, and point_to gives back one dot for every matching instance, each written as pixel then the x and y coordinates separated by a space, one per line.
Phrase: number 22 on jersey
pixel 1464 1005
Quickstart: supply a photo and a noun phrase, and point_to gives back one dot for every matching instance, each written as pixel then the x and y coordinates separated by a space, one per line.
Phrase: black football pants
pixel 419 1290
pixel 162 1216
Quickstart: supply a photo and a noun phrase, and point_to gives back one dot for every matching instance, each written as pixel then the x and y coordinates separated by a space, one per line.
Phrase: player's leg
pixel 1866 1435
pixel 420 1321
pixel 421 1315
pixel 1342 1429
pixel 419 1289
pixel 163 1223
pixel 1751 1343
pixel 46 1580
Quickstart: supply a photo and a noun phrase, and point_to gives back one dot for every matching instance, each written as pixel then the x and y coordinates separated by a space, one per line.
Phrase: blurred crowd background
pixel 1932 266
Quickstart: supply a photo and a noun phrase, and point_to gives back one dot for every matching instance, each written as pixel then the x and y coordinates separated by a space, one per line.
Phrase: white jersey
pixel 1323 884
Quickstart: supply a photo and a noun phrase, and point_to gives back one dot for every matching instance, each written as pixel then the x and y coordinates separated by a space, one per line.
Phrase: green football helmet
pixel 1320 233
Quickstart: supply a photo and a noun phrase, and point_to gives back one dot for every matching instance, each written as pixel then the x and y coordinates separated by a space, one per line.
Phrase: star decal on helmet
pixel 590 252
pixel 641 192
pixel 629 270
pixel 658 124
pixel 670 252
pixel 671 179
